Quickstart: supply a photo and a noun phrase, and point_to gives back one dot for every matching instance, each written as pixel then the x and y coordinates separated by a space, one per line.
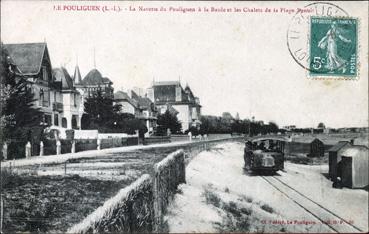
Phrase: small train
pixel 264 154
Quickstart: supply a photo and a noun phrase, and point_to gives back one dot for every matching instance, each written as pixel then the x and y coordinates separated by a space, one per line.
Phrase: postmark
pixel 333 47
pixel 298 33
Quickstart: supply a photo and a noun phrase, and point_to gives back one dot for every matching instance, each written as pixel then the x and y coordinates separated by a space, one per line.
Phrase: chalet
pixel 182 100
pixel 147 111
pixel 71 100
pixel 128 104
pixel 141 107
pixel 51 88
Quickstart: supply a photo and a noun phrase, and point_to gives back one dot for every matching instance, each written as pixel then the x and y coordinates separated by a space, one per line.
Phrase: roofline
pixel 176 103
pixel 127 100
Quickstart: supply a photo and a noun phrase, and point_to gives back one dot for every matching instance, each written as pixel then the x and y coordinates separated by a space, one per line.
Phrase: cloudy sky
pixel 235 62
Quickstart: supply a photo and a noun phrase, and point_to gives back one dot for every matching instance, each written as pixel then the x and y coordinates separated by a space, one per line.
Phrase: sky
pixel 235 62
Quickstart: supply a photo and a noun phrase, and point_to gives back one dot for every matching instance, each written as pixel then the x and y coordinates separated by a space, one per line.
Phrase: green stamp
pixel 333 47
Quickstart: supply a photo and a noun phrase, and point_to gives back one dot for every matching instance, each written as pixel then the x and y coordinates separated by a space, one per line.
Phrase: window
pixel 75 99
pixel 41 97
pixel 44 98
pixel 56 119
pixel 48 98
pixel 44 73
pixel 48 120
pixel 74 122
pixel 64 122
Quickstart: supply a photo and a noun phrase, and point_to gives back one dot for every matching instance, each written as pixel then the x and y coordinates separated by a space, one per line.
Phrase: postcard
pixel 184 116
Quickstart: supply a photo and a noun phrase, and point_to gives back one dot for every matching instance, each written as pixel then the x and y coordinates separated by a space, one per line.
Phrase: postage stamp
pixel 333 47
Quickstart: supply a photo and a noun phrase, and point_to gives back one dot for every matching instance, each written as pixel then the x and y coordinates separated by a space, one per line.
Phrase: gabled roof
pixel 123 96
pixel 189 93
pixel 338 146
pixel 27 56
pixel 144 103
pixel 94 77
pixel 77 76
pixel 62 75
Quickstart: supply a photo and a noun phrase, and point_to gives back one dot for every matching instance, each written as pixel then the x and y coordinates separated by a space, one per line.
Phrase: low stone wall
pixel 86 134
pixel 115 135
pixel 169 173
pixel 156 140
pixel 131 210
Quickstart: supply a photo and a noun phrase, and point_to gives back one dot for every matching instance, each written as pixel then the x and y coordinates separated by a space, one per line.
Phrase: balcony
pixel 58 106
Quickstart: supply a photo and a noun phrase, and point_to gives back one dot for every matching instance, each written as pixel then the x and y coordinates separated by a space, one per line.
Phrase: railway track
pixel 324 215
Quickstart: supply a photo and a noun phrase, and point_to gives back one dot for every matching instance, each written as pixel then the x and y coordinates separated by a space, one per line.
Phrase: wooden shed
pixel 335 156
pixel 354 166
pixel 316 148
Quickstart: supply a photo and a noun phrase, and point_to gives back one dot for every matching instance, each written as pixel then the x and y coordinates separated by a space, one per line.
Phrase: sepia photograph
pixel 184 116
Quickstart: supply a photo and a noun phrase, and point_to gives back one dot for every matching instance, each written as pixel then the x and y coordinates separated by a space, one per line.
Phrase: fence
pixel 139 207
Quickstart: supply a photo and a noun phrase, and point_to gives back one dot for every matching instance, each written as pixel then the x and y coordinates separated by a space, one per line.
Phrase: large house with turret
pixel 91 83
pixel 53 89
pixel 170 94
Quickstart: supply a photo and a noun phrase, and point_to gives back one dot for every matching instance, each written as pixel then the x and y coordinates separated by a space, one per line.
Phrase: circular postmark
pixel 298 29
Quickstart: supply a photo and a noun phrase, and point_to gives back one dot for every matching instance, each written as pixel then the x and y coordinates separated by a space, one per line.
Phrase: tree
pixel 321 125
pixel 273 127
pixel 127 123
pixel 18 114
pixel 168 120
pixel 100 111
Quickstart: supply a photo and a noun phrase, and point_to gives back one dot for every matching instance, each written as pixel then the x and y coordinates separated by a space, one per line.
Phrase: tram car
pixel 264 154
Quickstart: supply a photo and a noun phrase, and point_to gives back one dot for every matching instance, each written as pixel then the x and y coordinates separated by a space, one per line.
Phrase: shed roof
pixel 27 56
pixel 338 146
pixel 307 139
pixel 355 151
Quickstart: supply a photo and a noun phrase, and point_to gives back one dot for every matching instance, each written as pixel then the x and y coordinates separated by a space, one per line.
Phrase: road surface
pixel 220 197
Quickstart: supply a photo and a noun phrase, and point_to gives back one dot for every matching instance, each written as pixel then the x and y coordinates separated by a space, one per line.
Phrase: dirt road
pixel 220 197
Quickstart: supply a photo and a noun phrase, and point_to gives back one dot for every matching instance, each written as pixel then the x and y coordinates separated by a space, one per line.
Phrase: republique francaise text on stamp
pixel 333 47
